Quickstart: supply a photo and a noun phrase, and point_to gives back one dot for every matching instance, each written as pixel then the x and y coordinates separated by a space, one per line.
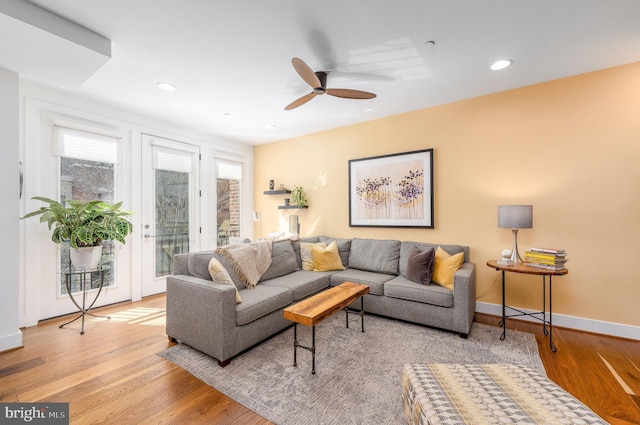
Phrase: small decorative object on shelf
pixel 271 185
pixel 546 258
pixel 298 197
pixel 286 202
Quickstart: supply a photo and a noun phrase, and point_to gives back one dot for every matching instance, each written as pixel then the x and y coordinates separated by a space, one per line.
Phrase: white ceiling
pixel 231 60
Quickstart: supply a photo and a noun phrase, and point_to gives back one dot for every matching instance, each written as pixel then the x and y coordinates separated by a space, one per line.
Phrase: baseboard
pixel 10 341
pixel 579 323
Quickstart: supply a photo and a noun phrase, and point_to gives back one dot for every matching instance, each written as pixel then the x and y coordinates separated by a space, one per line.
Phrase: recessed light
pixel 166 86
pixel 501 64
pixel 270 127
pixel 369 110
pixel 227 115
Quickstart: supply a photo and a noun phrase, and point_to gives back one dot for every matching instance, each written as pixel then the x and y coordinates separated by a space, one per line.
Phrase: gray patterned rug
pixel 358 375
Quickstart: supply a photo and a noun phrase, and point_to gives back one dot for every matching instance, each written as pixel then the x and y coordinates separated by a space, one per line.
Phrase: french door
pixel 170 175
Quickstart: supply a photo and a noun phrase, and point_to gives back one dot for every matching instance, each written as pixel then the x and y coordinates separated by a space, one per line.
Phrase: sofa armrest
pixel 201 314
pixel 464 298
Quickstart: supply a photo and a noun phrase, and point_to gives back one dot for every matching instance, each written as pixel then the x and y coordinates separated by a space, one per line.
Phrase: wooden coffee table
pixel 316 308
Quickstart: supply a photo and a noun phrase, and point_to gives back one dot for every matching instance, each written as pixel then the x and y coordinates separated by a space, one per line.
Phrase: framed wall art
pixel 392 190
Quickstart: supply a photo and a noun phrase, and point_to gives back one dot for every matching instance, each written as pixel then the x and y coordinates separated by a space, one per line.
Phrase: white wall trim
pixel 10 341
pixel 573 322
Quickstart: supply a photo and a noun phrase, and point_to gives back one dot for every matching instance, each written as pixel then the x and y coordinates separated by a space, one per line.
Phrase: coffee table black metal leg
pixel 313 350
pixel 346 315
pixel 362 312
pixel 295 344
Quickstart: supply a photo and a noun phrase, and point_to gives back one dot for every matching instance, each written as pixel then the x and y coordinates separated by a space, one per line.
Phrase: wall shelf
pixel 277 192
pixel 291 207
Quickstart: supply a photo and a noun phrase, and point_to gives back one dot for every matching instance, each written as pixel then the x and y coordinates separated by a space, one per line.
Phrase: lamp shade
pixel 515 216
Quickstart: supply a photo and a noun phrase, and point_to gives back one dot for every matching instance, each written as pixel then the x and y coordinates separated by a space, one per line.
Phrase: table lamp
pixel 515 217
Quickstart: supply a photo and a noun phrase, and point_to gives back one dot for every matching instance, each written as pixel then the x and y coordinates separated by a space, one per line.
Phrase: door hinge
pixel 200 230
pixel 200 193
pixel 200 156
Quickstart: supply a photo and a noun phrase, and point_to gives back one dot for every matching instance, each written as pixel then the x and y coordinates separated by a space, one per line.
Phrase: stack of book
pixel 545 258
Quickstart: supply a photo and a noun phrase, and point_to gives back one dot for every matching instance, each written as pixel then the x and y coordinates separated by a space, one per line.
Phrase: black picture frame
pixel 393 190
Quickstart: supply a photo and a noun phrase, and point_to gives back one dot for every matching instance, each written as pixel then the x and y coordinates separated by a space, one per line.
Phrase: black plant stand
pixel 85 275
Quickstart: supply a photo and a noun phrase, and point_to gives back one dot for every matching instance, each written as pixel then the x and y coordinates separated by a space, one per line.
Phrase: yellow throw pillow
pixel 220 275
pixel 307 256
pixel 326 259
pixel 446 266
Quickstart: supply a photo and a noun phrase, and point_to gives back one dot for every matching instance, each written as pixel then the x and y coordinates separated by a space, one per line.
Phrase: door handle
pixel 147 236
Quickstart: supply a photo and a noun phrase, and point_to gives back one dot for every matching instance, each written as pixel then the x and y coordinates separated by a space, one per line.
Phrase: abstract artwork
pixel 392 190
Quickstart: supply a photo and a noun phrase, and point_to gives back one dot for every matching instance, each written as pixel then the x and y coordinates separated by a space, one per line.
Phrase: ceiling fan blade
pixel 306 73
pixel 350 94
pixel 300 101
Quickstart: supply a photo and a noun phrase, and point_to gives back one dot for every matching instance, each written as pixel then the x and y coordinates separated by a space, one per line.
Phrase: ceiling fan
pixel 318 82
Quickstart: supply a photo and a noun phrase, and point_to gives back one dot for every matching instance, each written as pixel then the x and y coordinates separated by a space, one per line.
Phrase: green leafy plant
pixel 298 197
pixel 84 223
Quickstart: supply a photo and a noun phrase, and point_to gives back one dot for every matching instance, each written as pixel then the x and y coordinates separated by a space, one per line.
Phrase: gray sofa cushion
pixel 405 289
pixel 301 283
pixel 344 248
pixel 376 281
pixel 406 246
pixel 261 301
pixel 283 260
pixel 375 255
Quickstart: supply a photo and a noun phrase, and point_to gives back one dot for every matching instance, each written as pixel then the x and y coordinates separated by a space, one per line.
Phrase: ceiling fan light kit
pixel 318 83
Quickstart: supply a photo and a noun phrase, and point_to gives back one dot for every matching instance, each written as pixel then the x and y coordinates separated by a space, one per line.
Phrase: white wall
pixel 10 335
pixel 37 101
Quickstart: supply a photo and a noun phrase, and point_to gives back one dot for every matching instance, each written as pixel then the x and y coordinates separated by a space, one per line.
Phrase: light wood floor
pixel 113 375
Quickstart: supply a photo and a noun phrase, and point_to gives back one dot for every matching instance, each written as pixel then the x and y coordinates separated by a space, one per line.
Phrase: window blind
pixel 165 158
pixel 84 145
pixel 226 169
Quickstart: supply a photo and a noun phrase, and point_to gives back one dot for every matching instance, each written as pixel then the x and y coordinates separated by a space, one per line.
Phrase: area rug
pixel 358 375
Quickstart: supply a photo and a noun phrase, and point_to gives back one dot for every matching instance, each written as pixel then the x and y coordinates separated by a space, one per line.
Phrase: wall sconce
pixel 515 217
pixel 258 217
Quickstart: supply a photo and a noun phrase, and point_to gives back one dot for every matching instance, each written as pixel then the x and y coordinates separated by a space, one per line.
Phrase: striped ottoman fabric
pixel 448 394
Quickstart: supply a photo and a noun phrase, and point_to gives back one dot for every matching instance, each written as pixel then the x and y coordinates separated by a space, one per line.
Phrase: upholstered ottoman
pixel 487 394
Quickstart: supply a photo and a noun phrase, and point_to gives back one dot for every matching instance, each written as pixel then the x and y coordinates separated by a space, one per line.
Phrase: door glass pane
pixel 171 218
pixel 228 212
pixel 84 180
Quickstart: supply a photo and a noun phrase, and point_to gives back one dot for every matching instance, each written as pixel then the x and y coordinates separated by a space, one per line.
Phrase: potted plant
pixel 84 224
pixel 298 197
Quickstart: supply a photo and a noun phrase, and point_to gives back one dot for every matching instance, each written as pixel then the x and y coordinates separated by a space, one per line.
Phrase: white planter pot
pixel 86 258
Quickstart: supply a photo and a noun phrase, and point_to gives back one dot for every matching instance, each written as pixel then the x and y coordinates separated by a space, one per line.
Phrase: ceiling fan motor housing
pixel 322 76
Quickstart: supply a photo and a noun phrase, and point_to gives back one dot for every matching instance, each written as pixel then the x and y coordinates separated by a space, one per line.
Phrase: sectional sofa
pixel 206 316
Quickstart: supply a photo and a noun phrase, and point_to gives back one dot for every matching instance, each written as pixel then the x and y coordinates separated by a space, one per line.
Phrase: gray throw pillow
pixel 283 260
pixel 420 265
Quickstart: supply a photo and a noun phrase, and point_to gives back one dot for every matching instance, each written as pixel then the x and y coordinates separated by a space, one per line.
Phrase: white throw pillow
pixel 220 275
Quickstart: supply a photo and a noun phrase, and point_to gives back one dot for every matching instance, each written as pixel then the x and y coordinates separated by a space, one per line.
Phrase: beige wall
pixel 570 147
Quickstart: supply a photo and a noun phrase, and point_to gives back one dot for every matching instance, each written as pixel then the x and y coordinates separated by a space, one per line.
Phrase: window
pixel 229 179
pixel 87 171
pixel 173 169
